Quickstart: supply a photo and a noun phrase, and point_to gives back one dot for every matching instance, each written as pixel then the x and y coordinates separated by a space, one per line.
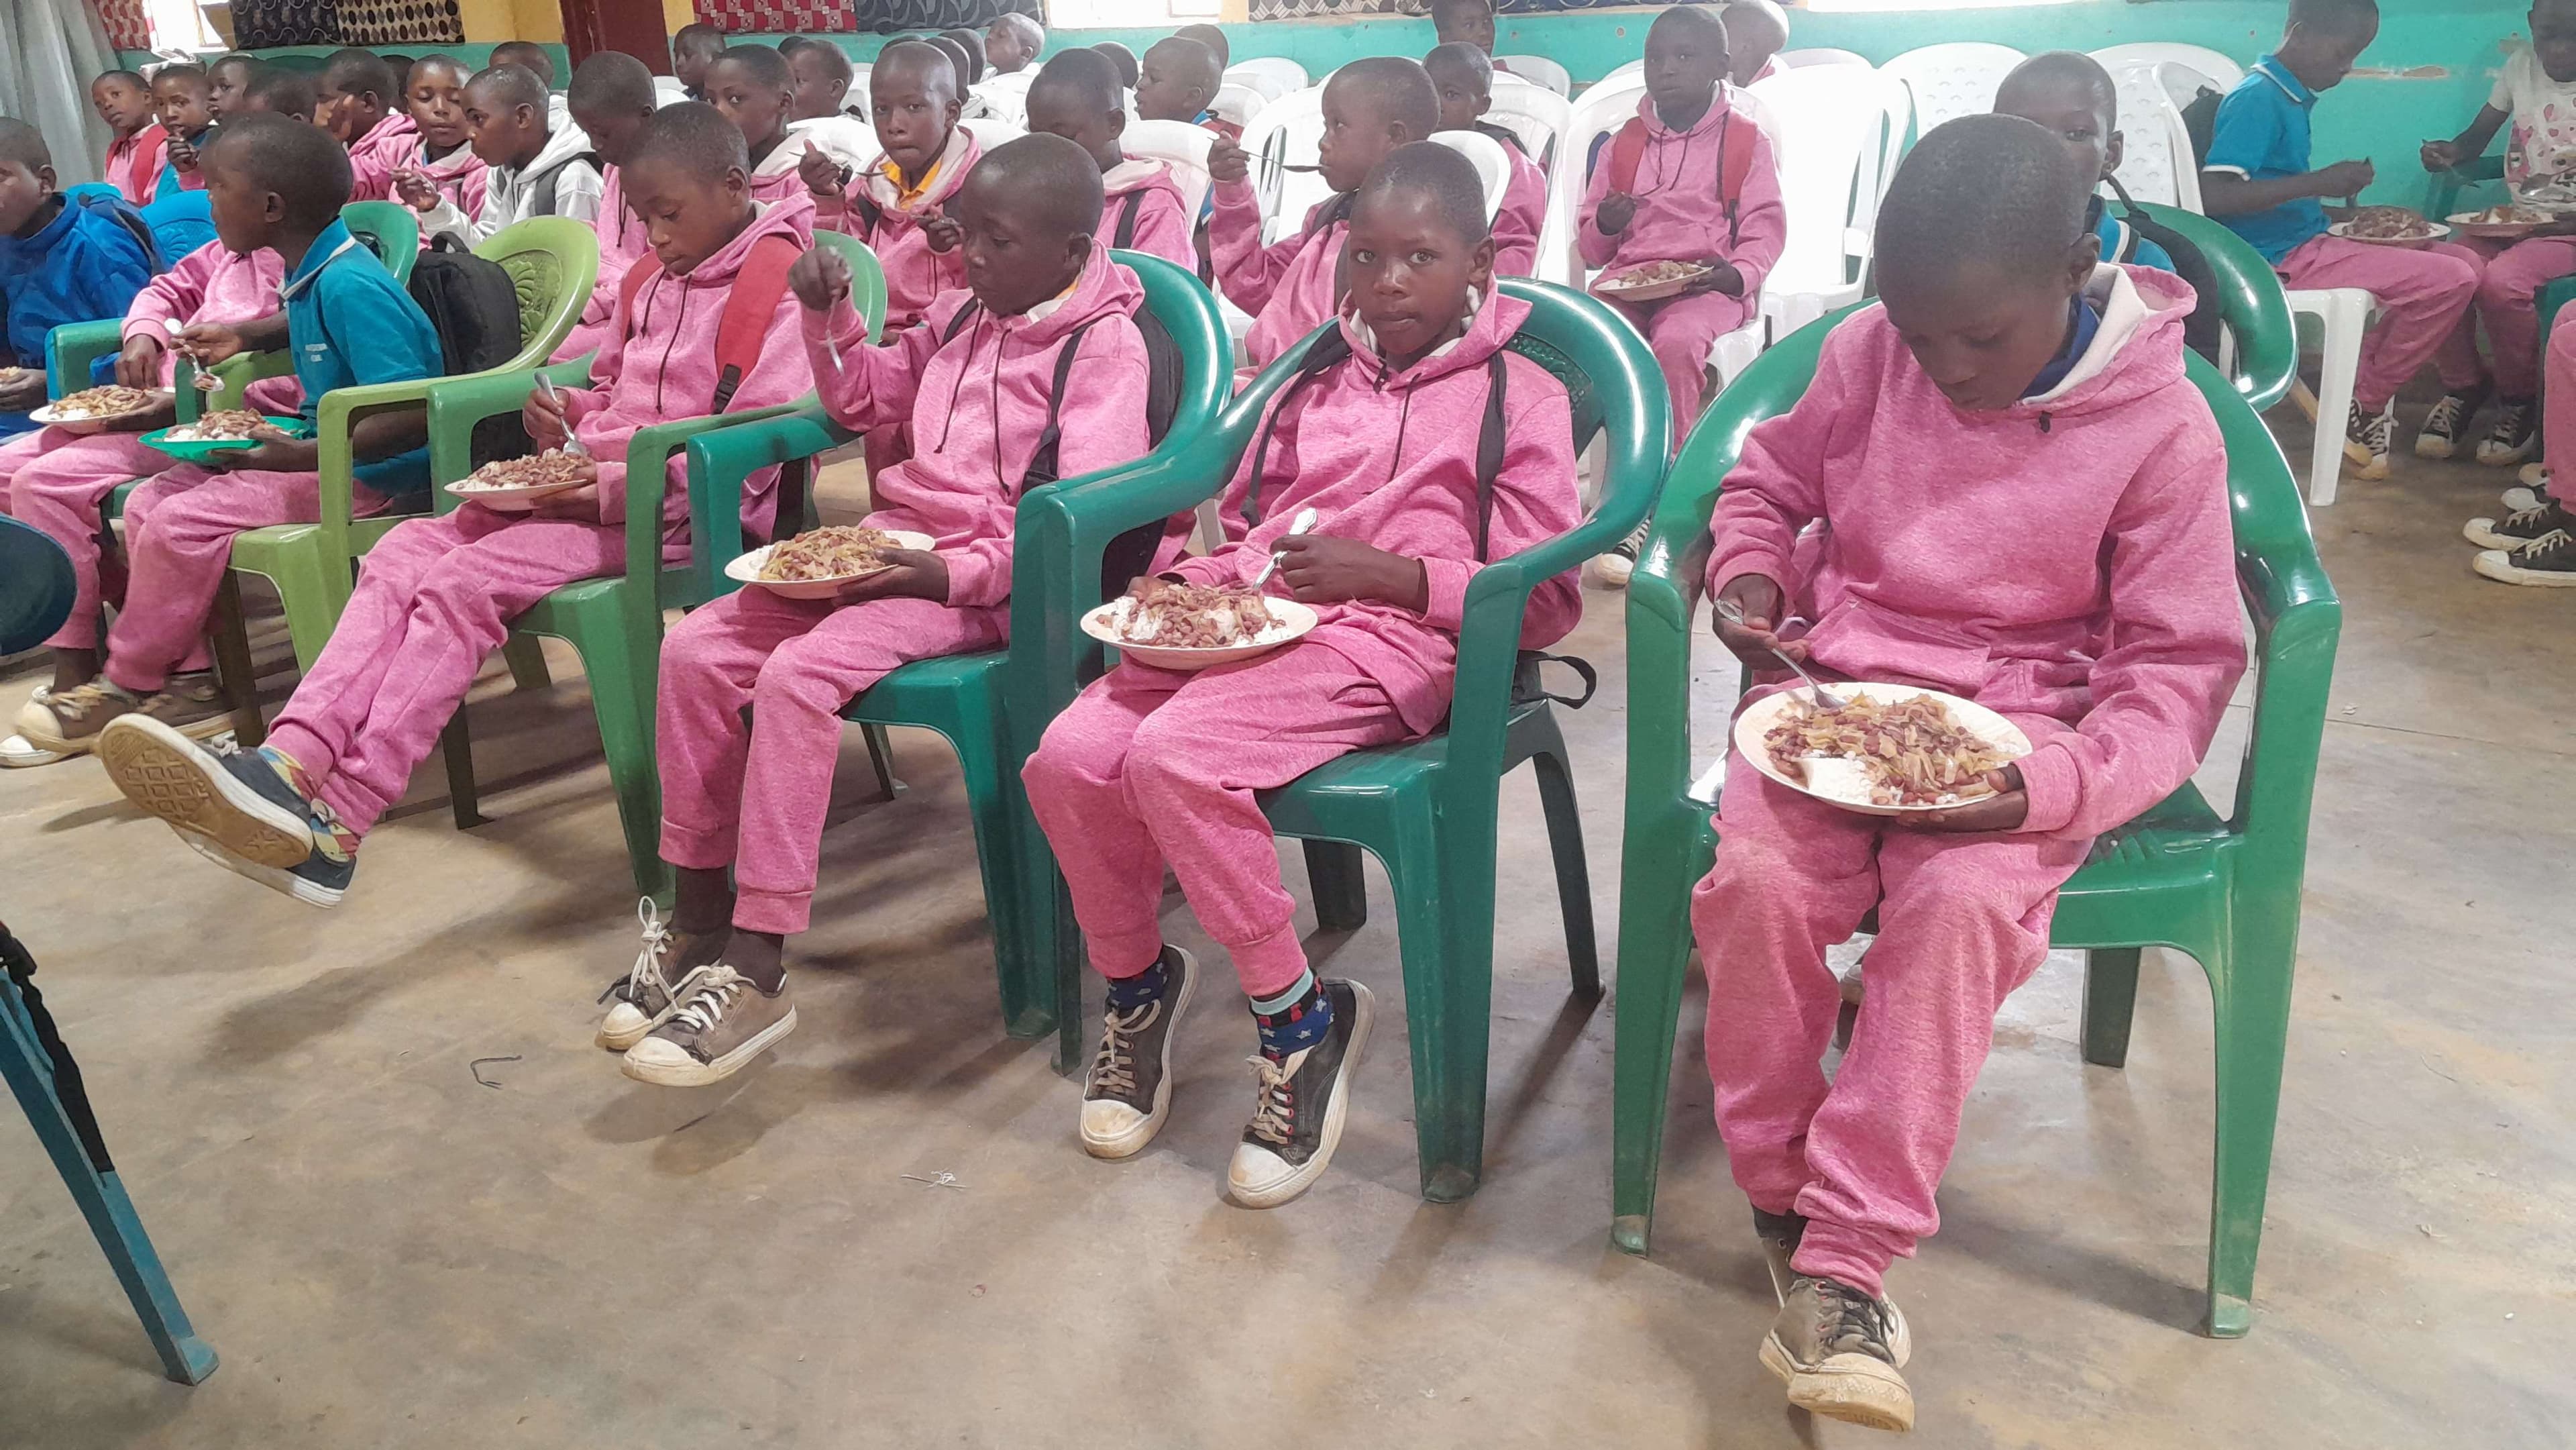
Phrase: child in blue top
pixel 58 263
pixel 2073 96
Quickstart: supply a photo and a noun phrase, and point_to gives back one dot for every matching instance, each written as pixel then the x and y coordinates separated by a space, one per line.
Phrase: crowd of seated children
pixel 1013 42
pixel 898 205
pixel 1036 368
pixel 1464 77
pixel 1756 30
pixel 1130 70
pixel 360 102
pixel 2022 501
pixel 123 99
pixel 756 90
pixel 436 595
pixel 694 47
pixel 183 97
pixel 1076 96
pixel 822 74
pixel 535 166
pixel 59 262
pixel 1175 82
pixel 611 98
pixel 443 155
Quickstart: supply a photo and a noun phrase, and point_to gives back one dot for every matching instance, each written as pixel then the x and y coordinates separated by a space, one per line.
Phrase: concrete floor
pixel 387 1254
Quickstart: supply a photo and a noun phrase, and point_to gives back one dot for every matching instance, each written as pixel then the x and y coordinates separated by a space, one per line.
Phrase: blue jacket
pixel 351 324
pixel 83 266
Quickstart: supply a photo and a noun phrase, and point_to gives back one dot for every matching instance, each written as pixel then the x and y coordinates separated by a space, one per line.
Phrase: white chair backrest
pixel 1629 74
pixel 1288 132
pixel 1538 70
pixel 2155 151
pixel 1818 55
pixel 1602 111
pixel 1181 146
pixel 1536 115
pixel 667 91
pixel 2218 70
pixel 1274 76
pixel 1954 80
pixel 1006 97
pixel 1238 103
pixel 1832 149
pixel 992 131
pixel 856 102
pixel 1493 167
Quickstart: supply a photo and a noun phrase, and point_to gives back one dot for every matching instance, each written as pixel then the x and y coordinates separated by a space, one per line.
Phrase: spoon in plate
pixel 1825 699
pixel 1304 521
pixel 554 400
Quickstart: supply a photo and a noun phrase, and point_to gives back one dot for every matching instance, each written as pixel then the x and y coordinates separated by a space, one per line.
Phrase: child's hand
pixel 2441 155
pixel 1616 211
pixel 1322 570
pixel 1720 277
pixel 414 191
pixel 819 278
pixel 182 152
pixel 279 454
pixel 2345 178
pixel 575 503
pixel 22 391
pixel 943 231
pixel 917 574
pixel 138 364
pixel 209 343
pixel 822 174
pixel 2005 810
pixel 1753 641
pixel 543 416
pixel 1228 161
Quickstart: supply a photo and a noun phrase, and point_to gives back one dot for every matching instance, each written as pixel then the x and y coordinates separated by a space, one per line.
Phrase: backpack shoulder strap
pixel 543 183
pixel 1627 149
pixel 958 320
pixel 1325 352
pixel 130 219
pixel 644 270
pixel 749 305
pixel 1735 145
pixel 1125 236
pixel 1042 459
pixel 1489 452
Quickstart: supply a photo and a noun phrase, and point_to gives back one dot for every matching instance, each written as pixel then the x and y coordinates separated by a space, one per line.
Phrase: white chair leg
pixel 2342 361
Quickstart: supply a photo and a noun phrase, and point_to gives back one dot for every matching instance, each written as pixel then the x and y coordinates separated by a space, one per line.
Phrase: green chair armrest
pixel 720 460
pixel 72 347
pixel 648 456
pixel 457 404
pixel 2442 188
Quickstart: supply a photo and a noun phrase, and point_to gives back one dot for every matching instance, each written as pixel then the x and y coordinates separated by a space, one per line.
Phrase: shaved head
pixel 353 72
pixel 694 137
pixel 1994 190
pixel 766 67
pixel 1213 37
pixel 297 160
pixel 508 87
pixel 1433 172
pixel 608 81
pixel 1083 77
pixel 1045 182
pixel 2056 73
pixel 922 61
pixel 1392 88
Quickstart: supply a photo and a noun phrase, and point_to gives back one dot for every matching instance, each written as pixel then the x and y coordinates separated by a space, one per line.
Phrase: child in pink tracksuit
pixel 1465 76
pixel 434 97
pixel 1371 106
pixel 1076 96
pixel 979 380
pixel 1704 189
pixel 358 103
pixel 1152 767
pixel 2024 502
pixel 896 206
pixel 436 595
pixel 756 90
pixel 2534 543
pixel 610 99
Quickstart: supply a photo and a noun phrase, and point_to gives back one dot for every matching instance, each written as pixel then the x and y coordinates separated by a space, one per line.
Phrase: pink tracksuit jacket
pixel 622 242
pixel 1162 220
pixel 459 176
pixel 390 145
pixel 1524 211
pixel 2068 561
pixel 1286 286
pixel 753 797
pixel 1150 766
pixel 915 275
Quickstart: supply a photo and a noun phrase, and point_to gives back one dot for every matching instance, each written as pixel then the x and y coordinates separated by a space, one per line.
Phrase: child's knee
pixel 2450 278
pixel 1069 760
pixel 800 674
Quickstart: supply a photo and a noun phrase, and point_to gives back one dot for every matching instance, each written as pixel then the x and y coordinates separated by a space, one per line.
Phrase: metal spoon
pixel 1305 520
pixel 1825 699
pixel 554 400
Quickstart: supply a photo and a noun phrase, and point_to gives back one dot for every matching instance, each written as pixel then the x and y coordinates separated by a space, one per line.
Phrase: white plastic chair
pixel 1493 167
pixel 1818 55
pixel 1288 132
pixel 1006 97
pixel 992 131
pixel 2221 72
pixel 1539 119
pixel 667 91
pixel 2344 315
pixel 2155 160
pixel 1538 70
pixel 1946 82
pixel 1179 145
pixel 1272 75
pixel 1633 73
pixel 1834 149
pixel 1238 103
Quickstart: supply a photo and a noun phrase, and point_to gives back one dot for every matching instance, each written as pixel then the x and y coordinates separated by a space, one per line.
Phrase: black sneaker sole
pixel 1363 1012
pixel 172 777
pixel 1136 1139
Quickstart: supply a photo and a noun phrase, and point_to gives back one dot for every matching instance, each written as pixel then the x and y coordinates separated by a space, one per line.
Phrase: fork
pixel 1305 520
pixel 546 390
pixel 1825 699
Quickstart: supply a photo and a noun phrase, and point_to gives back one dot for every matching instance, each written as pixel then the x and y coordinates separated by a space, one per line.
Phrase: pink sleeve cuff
pixel 2050 778
pixel 1727 563
pixel 975 580
pixel 1447 608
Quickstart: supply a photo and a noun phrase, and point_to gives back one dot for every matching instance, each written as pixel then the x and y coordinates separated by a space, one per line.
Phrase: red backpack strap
pixel 645 269
pixel 749 305
pixel 1627 149
pixel 1734 164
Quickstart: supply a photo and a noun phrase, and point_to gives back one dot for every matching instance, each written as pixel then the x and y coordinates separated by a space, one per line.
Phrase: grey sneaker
pixel 1300 1107
pixel 721 1024
pixel 645 997
pixel 2517 529
pixel 70 721
pixel 2444 425
pixel 1839 1351
pixel 1129 1091
pixel 2533 487
pixel 1779 1233
pixel 2367 438
pixel 2515 435
pixel 2548 562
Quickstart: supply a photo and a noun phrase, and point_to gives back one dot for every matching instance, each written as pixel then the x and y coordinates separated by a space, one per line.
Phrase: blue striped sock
pixel 1294 1020
pixel 1126 994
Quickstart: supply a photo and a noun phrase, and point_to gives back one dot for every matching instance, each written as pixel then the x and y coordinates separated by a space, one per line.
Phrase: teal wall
pixel 474 55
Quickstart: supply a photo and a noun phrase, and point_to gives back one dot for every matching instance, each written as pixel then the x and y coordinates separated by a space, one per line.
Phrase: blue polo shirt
pixel 2262 135
pixel 348 324
pixel 2121 242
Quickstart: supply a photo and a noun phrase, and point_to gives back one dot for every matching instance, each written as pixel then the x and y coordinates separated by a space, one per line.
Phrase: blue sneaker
pixel 251 811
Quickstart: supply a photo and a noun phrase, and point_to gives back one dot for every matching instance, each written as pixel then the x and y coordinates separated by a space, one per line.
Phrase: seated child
pixel 1150 767
pixel 1076 96
pixel 535 168
pixel 1129 69
pixel 1465 76
pixel 123 99
pixel 822 75
pixel 753 87
pixel 434 94
pixel 1012 42
pixel 182 97
pixel 966 62
pixel 1702 187
pixel 2537 92
pixel 694 47
pixel 1371 106
pixel 1755 32
pixel 228 82
pixel 275 184
pixel 58 263
pixel 1178 79
pixel 2534 543
pixel 896 205
pixel 435 595
pixel 2256 178
pixel 360 103
pixel 980 384
pixel 1465 22
pixel 535 59
pixel 2024 502
pixel 2070 94
pixel 612 96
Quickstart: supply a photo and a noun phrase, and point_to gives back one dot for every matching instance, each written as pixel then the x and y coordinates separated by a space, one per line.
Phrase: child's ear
pixel 2081 259
pixel 1480 266
pixel 2112 153
pixel 1486 103
pixel 46 182
pixel 1117 122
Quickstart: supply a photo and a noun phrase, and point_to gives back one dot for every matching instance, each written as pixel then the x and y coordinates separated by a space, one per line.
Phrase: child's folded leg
pixel 15 454
pixel 60 494
pixel 1681 332
pixel 2509 302
pixel 1077 790
pixel 2421 294
pixel 179 534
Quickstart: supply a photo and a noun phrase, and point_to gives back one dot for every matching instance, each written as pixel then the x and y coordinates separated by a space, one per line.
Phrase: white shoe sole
pixel 619 1041
pixel 1849 1387
pixel 1132 1140
pixel 2428 445
pixel 284 883
pixel 2515 500
pixel 1271 1195
pixel 2482 532
pixel 2506 457
pixel 170 776
pixel 2498 565
pixel 693 1073
pixel 20 753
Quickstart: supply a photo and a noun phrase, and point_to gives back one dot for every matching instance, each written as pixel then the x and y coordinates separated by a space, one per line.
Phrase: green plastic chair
pixel 390 229
pixel 2224 890
pixel 2252 305
pixel 1426 810
pixel 2442 199
pixel 980 702
pixel 613 623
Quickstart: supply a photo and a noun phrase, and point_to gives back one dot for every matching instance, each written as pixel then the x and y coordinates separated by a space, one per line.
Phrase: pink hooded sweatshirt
pixel 843 139
pixel 2068 561
pixel 660 363
pixel 390 145
pixel 1680 216
pixel 1524 211
pixel 1143 198
pixel 915 275
pixel 209 284
pixel 1286 286
pixel 1390 459
pixel 458 177
pixel 622 243
pixel 978 404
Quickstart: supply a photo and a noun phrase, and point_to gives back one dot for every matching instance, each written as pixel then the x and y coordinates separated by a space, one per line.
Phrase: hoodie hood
pixel 792 219
pixel 851 143
pixel 1136 173
pixel 1496 318
pixel 563 143
pixel 946 175
pixel 2137 349
pixel 1720 106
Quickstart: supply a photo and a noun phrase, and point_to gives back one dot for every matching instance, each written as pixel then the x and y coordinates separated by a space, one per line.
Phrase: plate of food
pixel 2388 226
pixel 815 564
pixel 1648 281
pixel 221 432
pixel 1174 626
pixel 2507 223
pixel 516 485
pixel 95 410
pixel 1892 750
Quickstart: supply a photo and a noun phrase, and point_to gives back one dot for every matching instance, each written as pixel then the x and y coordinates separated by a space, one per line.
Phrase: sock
pixel 1294 1020
pixel 1126 994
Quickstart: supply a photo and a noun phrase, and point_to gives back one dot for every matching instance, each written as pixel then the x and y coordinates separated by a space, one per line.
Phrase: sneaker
pixel 1779 1233
pixel 2517 529
pixel 2515 434
pixel 645 997
pixel 251 811
pixel 17 752
pixel 2367 438
pixel 1129 1091
pixel 1301 1105
pixel 71 721
pixel 1616 567
pixel 2448 420
pixel 2548 562
pixel 1839 1350
pixel 721 1025
pixel 2534 487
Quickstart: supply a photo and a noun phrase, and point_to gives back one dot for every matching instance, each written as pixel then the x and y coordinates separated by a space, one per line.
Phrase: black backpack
pixel 2200 122
pixel 474 307
pixel 545 199
pixel 2200 330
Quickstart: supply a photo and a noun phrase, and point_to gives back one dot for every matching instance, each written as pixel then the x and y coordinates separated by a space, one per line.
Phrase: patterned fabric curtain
pixel 128 26
pixel 258 24
pixel 824 17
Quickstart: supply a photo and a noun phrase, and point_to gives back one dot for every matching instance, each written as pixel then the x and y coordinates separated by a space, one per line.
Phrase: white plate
pixel 511 500
pixel 1297 618
pixel 1608 286
pixel 101 423
pixel 1838 781
pixel 2343 230
pixel 746 569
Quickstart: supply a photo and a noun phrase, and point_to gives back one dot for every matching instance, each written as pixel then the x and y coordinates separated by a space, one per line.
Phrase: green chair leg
pixel 456 752
pixel 311 602
pixel 1027 981
pixel 2250 983
pixel 1448 952
pixel 1340 885
pixel 527 657
pixel 1565 843
pixel 2110 999
pixel 1654 961
pixel 881 760
pixel 622 666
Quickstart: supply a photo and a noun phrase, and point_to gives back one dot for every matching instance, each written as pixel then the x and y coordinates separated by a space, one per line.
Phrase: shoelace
pixel 2512 426
pixel 2531 518
pixel 1274 1106
pixel 716 993
pixel 2379 432
pixel 2445 419
pixel 648 957
pixel 1113 1068
pixel 1848 1320
pixel 2549 547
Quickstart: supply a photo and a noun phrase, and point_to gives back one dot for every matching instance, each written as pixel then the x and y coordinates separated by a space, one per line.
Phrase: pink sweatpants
pixel 1962 921
pixel 1681 332
pixel 2558 411
pixel 2422 294
pixel 59 490
pixel 16 452
pixel 434 597
pixel 753 796
pixel 1149 767
pixel 2508 302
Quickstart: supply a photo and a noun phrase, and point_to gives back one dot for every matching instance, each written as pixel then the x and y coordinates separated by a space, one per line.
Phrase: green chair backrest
pixel 2250 301
pixel 390 229
pixel 867 278
pixel 553 263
